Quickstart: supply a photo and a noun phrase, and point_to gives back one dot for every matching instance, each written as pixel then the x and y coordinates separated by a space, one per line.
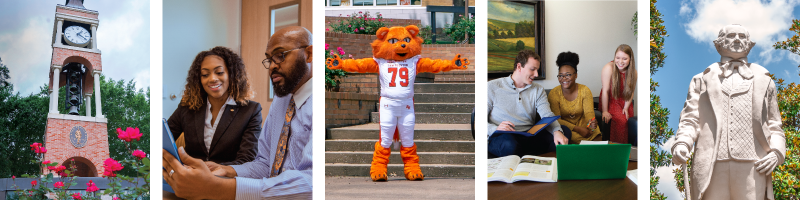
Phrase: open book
pixel 512 168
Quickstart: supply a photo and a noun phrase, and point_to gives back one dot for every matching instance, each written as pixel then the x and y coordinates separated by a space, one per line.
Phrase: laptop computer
pixel 168 143
pixel 600 161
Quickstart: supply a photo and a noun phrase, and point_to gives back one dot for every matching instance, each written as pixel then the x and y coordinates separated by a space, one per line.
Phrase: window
pixel 386 2
pixel 280 18
pixel 363 2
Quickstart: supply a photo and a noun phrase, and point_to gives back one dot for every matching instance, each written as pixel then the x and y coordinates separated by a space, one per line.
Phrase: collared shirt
pixel 517 105
pixel 209 129
pixel 739 66
pixel 295 181
pixel 303 93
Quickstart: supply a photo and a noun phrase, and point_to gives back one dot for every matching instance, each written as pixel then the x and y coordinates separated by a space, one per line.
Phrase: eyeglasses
pixel 277 58
pixel 568 75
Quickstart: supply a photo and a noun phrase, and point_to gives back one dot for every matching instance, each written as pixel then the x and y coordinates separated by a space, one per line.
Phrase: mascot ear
pixel 382 32
pixel 413 29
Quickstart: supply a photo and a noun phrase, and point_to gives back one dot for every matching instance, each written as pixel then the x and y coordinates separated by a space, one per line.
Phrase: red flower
pixel 139 154
pixel 58 184
pixel 111 166
pixel 46 162
pixel 90 187
pixel 37 148
pixel 33 183
pixel 76 196
pixel 116 198
pixel 13 177
pixel 129 134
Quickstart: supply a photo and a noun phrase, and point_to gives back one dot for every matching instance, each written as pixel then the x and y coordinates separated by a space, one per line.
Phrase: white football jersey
pixel 397 77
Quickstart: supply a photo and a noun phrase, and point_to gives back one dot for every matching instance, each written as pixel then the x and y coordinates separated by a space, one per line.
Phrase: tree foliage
pixel 659 129
pixel 786 177
pixel 25 121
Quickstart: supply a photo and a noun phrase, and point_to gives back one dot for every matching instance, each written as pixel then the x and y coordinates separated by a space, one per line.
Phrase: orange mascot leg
pixel 380 160
pixel 411 161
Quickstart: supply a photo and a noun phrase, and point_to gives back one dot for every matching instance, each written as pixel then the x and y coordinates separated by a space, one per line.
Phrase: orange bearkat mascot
pixel 397 61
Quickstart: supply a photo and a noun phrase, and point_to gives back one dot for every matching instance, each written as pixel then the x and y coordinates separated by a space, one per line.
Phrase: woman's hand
pixel 606 117
pixel 593 124
pixel 626 114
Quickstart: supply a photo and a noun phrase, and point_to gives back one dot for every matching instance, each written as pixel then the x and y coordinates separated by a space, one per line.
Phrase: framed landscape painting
pixel 514 26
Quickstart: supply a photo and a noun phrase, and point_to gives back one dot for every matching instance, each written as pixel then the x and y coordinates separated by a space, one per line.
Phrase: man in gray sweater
pixel 513 104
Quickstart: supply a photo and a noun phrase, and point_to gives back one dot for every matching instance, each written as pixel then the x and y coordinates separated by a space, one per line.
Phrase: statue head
pixel 734 41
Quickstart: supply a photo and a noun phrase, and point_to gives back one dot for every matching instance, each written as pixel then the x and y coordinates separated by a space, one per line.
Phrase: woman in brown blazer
pixel 219 122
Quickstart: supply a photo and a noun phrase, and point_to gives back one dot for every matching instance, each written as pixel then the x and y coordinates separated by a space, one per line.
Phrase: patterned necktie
pixel 280 154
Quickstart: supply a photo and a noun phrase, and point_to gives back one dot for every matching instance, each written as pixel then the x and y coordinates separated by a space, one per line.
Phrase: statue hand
pixel 766 164
pixel 680 154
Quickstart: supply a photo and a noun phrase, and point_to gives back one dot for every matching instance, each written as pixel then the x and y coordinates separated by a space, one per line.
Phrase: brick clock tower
pixel 76 65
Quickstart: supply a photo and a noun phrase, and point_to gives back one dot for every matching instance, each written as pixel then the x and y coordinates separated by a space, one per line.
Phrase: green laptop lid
pixel 599 161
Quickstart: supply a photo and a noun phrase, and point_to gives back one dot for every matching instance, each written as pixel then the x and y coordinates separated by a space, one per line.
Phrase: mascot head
pixel 397 43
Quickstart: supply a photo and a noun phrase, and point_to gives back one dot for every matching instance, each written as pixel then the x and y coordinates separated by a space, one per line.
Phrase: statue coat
pixel 699 127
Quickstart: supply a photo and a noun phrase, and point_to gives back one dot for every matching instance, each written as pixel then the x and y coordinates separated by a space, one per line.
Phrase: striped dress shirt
pixel 253 182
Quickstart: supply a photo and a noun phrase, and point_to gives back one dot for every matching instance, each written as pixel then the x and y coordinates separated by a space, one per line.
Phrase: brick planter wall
pixel 387 21
pixel 347 108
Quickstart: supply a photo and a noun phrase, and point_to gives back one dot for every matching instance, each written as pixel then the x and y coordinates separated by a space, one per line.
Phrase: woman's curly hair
pixel 194 95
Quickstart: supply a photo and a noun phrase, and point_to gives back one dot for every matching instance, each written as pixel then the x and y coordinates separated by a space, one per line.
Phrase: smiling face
pixel 567 76
pixel 621 60
pixel 528 72
pixel 214 77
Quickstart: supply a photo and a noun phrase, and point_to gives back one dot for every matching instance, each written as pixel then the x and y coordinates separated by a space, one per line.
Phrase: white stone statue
pixel 731 121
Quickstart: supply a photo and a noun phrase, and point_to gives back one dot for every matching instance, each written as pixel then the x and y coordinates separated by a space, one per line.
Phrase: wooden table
pixel 566 189
pixel 169 196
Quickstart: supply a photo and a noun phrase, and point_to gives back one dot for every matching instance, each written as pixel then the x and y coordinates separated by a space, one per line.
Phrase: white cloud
pixel 764 20
pixel 27 53
pixel 117 32
pixel 685 9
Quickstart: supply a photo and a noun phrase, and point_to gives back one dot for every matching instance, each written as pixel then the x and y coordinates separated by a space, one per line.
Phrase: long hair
pixel 194 95
pixel 630 75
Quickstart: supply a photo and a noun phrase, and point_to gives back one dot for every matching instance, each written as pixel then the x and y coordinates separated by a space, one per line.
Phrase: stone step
pixel 421 132
pixel 433 118
pixel 365 157
pixel 442 107
pixel 444 87
pixel 396 170
pixel 444 97
pixel 422 145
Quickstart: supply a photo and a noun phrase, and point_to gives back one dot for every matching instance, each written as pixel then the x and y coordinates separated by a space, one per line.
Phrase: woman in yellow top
pixel 573 101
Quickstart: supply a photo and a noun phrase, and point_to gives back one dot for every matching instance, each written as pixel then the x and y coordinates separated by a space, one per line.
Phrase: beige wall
pixel 255 35
pixel 593 30
pixel 192 26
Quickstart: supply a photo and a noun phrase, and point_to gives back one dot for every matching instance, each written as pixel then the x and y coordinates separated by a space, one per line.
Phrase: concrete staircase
pixel 442 133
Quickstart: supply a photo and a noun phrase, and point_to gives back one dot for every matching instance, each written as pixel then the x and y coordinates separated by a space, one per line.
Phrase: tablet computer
pixel 168 143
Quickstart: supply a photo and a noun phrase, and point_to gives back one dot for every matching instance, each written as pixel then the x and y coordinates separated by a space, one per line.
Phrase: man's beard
pixel 290 82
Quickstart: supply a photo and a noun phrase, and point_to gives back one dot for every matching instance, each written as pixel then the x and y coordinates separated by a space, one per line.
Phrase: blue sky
pixel 123 36
pixel 693 24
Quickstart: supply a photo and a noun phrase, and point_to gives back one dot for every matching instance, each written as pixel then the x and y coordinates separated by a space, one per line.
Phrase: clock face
pixel 77 35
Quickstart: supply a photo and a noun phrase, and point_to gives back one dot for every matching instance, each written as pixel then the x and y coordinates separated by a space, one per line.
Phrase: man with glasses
pixel 283 165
